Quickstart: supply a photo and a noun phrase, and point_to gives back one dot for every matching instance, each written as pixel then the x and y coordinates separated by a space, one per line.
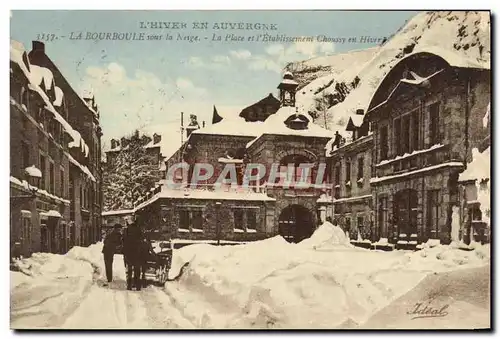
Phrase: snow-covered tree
pixel 131 175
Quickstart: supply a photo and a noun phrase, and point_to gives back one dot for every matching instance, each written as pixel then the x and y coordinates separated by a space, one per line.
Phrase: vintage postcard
pixel 250 170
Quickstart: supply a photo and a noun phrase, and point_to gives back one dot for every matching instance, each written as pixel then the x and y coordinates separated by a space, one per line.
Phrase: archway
pixel 296 223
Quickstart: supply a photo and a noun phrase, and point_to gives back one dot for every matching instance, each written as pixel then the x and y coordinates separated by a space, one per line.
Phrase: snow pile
pixel 326 236
pixel 322 282
pixel 441 258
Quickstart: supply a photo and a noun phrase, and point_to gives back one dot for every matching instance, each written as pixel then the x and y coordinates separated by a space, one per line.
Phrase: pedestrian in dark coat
pixel 133 254
pixel 112 244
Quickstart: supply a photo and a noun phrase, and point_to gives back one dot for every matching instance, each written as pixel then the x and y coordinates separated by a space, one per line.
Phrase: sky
pixel 147 83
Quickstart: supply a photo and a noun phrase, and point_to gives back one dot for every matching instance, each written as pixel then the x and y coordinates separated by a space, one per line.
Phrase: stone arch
pixel 303 152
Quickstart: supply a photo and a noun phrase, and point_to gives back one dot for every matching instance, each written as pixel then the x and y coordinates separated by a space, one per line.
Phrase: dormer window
pixel 297 122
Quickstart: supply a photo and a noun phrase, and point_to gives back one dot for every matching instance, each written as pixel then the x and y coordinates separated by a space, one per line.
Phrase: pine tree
pixel 130 176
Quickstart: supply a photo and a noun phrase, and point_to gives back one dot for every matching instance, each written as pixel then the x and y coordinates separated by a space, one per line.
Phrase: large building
pixel 219 207
pixel 426 117
pixel 55 168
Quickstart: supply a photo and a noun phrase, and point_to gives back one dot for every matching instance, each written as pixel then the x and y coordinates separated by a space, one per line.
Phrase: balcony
pixel 433 155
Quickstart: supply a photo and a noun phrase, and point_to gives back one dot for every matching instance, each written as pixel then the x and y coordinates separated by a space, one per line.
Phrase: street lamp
pixel 33 176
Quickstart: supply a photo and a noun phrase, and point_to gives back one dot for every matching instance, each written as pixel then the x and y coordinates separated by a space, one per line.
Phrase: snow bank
pixel 46 287
pixel 321 282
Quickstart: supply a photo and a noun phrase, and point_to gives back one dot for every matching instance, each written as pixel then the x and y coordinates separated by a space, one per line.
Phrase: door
pixel 406 212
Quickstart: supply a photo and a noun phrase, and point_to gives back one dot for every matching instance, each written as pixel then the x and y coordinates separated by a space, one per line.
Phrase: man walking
pixel 133 255
pixel 112 244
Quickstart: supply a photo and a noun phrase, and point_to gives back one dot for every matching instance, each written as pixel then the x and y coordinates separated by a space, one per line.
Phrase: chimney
pixel 156 138
pixel 38 46
pixel 113 144
pixel 203 123
pixel 124 142
pixel 360 111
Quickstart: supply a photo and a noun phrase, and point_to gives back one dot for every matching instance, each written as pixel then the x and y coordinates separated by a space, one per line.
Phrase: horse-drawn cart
pixel 158 264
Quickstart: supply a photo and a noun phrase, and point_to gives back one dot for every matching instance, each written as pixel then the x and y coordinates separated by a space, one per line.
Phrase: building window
pixel 383 217
pixel 251 220
pixel 26 230
pixel 406 132
pixel 360 167
pixel 81 195
pixel 238 220
pixel 348 170
pixel 433 211
pixel 415 129
pixel 62 187
pixel 43 164
pixel 197 221
pixel 52 178
pixel 190 220
pixel 25 150
pixel 360 221
pixel 384 143
pixel 24 97
pixel 347 227
pixel 434 135
pixel 337 182
pixel 397 136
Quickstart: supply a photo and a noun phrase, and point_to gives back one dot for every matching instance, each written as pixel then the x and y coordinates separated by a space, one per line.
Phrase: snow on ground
pixel 66 291
pixel 322 282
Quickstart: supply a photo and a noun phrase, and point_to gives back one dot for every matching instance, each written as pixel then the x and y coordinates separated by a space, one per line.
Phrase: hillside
pixel 335 94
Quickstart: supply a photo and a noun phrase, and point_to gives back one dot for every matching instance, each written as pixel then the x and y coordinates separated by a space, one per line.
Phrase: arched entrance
pixel 296 223
pixel 406 203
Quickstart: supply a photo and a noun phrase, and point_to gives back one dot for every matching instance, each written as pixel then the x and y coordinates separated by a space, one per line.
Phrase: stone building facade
pixel 220 207
pixel 58 133
pixel 426 116
pixel 350 165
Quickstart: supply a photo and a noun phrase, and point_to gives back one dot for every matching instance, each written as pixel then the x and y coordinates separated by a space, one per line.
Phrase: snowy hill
pixel 307 71
pixel 336 94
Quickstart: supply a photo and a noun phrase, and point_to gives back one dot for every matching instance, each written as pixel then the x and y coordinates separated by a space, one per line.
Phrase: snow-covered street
pixel 322 282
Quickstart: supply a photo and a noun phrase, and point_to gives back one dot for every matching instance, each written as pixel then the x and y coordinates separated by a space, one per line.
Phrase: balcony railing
pixel 436 154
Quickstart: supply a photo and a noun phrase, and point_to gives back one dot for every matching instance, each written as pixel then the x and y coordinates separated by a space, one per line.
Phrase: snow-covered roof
pixel 479 167
pixel 39 74
pixel 17 51
pixel 117 212
pixel 35 77
pixel 230 161
pixel 275 125
pixel 357 119
pixel 24 184
pixel 289 82
pixel 59 96
pixel 82 167
pixel 217 194
pixel 235 127
pixel 51 213
pixel 418 80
